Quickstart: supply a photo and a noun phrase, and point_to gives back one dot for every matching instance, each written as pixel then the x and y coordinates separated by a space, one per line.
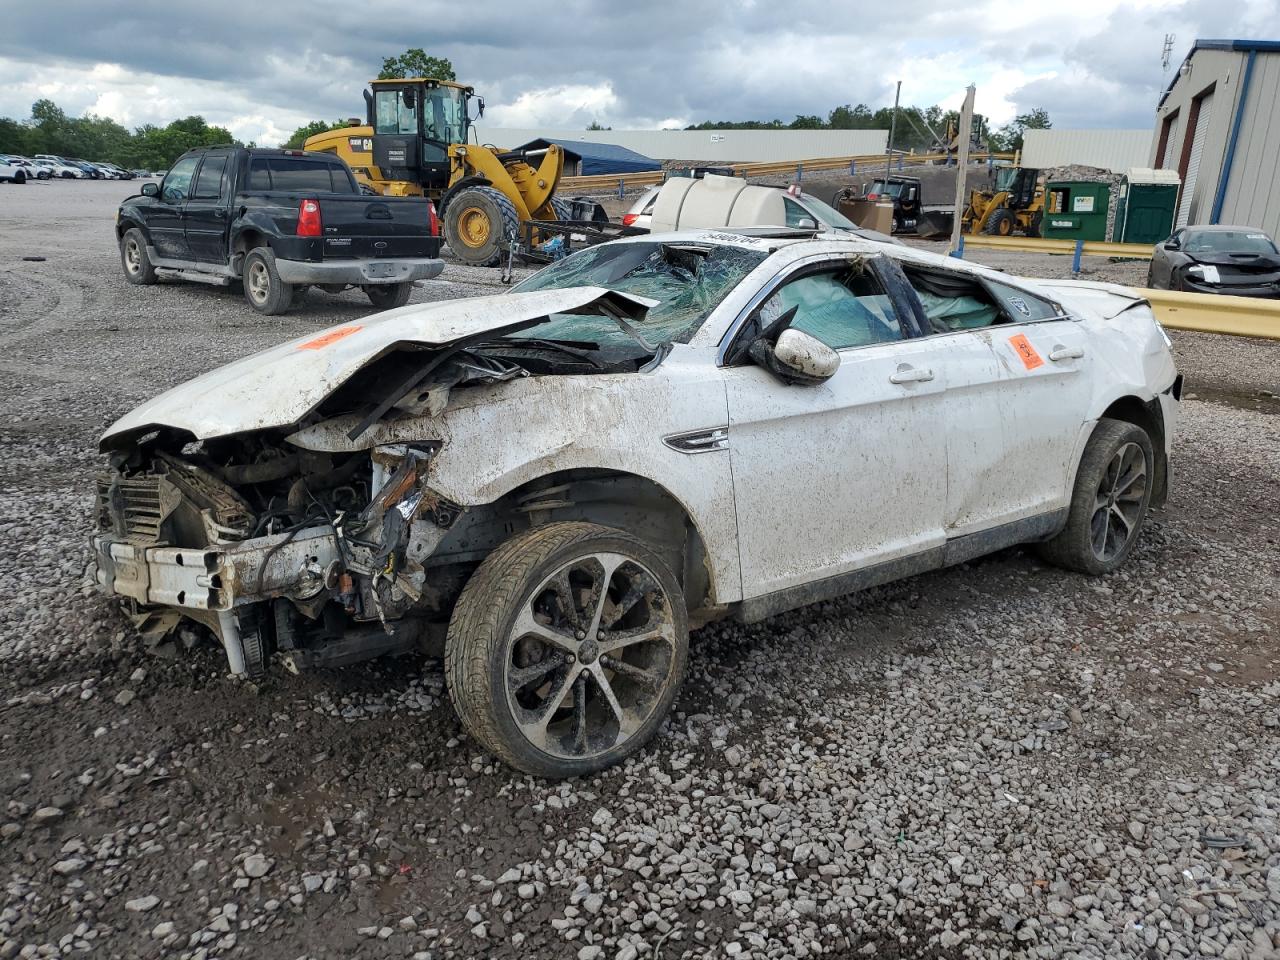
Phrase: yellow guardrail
pixel 1209 313
pixel 1089 248
pixel 875 163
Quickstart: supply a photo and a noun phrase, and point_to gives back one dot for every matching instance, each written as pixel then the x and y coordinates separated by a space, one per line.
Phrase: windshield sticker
pixel 735 238
pixel 1020 305
pixel 330 336
pixel 1026 352
pixel 1258 236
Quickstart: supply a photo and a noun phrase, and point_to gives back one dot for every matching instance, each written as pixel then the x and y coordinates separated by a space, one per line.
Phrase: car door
pixel 206 213
pixel 164 218
pixel 1017 403
pixel 839 476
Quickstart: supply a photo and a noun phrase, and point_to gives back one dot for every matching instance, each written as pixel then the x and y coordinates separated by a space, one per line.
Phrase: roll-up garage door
pixel 1198 136
pixel 1166 160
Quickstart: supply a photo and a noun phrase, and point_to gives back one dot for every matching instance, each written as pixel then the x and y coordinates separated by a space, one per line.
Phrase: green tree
pixel 414 62
pixel 299 136
pixel 595 125
pixel 1009 137
pixel 807 122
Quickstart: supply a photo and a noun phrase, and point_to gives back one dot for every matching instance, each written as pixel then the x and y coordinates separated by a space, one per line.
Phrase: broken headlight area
pixel 317 555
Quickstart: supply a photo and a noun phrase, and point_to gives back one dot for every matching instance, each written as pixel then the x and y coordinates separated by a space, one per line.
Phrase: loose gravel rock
pixel 998 760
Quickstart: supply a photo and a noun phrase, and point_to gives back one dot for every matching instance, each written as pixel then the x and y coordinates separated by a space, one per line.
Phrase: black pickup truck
pixel 280 221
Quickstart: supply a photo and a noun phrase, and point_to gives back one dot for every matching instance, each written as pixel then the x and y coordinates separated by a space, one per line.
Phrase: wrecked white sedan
pixel 556 483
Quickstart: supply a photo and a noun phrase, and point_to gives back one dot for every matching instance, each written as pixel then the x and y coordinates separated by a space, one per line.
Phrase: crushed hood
pixel 280 386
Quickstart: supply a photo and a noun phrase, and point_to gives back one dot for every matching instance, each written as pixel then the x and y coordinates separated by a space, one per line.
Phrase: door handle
pixel 909 374
pixel 1059 353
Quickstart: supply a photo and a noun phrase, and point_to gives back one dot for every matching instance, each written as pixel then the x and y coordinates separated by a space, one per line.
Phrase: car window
pixel 299 175
pixel 209 180
pixel 1023 306
pixel 843 308
pixel 953 301
pixel 1227 241
pixel 797 213
pixel 688 281
pixel 177 185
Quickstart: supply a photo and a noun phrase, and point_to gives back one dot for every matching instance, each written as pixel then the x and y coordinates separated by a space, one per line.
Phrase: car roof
pixel 1223 228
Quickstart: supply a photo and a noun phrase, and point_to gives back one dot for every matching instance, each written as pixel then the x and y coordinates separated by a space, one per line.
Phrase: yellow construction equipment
pixel 414 143
pixel 1015 204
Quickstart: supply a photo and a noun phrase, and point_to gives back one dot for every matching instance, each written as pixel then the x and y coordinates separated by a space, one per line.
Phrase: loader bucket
pixel 935 225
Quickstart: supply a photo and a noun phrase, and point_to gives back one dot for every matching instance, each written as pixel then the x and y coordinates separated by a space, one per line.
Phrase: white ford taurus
pixel 553 485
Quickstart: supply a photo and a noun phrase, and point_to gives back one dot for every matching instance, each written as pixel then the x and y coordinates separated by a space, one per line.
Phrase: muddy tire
pixel 1000 224
pixel 478 220
pixel 1109 503
pixel 134 260
pixel 566 649
pixel 388 296
pixel 263 288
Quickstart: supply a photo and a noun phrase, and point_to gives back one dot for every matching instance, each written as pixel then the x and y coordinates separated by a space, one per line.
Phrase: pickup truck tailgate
pixel 363 226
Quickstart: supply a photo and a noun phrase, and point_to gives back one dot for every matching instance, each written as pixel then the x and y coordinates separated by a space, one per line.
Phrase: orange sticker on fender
pixel 331 336
pixel 1026 352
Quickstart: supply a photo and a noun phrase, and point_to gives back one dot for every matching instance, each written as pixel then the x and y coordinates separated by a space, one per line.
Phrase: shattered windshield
pixel 687 279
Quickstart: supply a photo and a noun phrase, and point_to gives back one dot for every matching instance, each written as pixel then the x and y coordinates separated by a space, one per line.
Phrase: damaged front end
pixel 318 556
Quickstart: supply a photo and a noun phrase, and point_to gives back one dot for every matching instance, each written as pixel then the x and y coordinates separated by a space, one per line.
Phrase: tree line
pixel 149 147
pixel 917 128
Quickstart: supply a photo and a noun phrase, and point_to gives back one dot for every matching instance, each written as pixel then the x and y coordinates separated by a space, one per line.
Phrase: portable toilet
pixel 1147 205
pixel 1076 210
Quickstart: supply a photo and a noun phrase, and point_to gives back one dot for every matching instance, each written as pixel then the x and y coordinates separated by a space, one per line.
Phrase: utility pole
pixel 966 128
pixel 893 126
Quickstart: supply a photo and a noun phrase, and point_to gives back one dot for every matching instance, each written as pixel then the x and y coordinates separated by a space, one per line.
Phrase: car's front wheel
pixel 1110 501
pixel 566 648
pixel 133 258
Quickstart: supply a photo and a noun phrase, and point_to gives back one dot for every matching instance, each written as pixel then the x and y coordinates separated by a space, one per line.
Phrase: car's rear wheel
pixel 133 258
pixel 263 288
pixel 566 648
pixel 388 296
pixel 1110 501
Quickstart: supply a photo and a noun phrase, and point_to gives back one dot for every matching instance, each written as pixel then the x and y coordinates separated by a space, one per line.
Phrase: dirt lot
pixel 996 760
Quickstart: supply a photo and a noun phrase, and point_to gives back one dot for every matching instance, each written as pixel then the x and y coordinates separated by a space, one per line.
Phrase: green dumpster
pixel 1146 206
pixel 1076 210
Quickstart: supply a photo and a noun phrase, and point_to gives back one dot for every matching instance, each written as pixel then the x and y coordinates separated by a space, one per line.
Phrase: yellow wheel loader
pixel 414 143
pixel 1015 205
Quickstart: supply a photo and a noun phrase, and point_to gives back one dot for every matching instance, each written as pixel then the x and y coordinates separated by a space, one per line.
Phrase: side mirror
pixel 151 189
pixel 796 358
pixel 1172 244
pixel 480 101
pixel 807 223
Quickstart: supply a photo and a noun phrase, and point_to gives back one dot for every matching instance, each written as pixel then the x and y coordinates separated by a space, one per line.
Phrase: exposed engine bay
pixel 321 556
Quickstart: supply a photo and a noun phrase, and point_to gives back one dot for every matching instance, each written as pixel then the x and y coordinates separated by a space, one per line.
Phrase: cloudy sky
pixel 263 67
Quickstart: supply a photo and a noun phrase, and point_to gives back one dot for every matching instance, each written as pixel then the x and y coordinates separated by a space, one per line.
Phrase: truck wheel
pixel 134 259
pixel 1000 223
pixel 476 223
pixel 388 296
pixel 1109 503
pixel 263 288
pixel 566 648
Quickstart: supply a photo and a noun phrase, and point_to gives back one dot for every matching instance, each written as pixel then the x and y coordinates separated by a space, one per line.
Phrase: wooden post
pixel 966 127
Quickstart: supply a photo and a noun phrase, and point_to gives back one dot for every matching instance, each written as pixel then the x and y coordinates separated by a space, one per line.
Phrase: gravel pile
pixel 998 760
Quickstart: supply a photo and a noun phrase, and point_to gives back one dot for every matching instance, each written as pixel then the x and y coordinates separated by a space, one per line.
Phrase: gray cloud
pixel 284 61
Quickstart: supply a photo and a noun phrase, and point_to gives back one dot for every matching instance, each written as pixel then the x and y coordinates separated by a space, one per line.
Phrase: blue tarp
pixel 599 158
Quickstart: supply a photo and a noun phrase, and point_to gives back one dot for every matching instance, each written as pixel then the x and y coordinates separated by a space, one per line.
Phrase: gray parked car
pixel 1238 261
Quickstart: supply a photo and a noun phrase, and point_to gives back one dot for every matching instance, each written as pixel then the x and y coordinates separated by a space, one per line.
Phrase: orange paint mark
pixel 330 336
pixel 1026 352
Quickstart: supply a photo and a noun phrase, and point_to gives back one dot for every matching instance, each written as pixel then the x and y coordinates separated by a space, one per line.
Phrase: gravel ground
pixel 998 760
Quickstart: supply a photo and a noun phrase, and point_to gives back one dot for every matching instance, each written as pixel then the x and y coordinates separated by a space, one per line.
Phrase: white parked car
pixel 56 169
pixel 764 206
pixel 64 167
pixel 29 167
pixel 647 435
pixel 13 172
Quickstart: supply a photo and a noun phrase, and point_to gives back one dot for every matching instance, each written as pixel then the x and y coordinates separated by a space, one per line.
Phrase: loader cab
pixel 414 123
pixel 1021 183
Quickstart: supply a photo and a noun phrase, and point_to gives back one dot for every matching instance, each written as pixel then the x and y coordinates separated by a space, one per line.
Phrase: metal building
pixel 1218 125
pixel 1114 150
pixel 738 146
